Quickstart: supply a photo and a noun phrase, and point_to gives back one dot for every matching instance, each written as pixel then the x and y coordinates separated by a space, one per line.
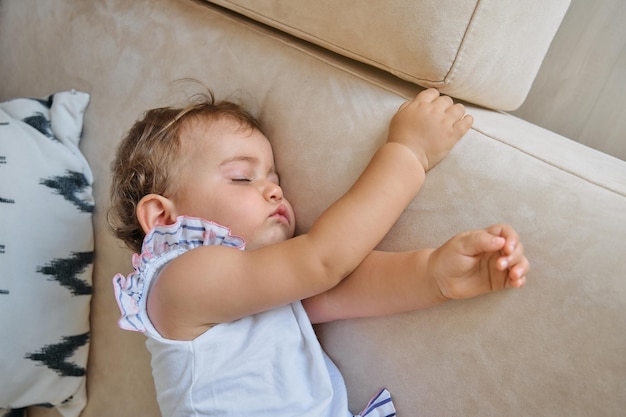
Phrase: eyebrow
pixel 250 159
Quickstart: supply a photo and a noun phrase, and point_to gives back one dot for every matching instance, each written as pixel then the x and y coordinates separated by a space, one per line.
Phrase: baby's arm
pixel 469 264
pixel 215 284
pixel 421 133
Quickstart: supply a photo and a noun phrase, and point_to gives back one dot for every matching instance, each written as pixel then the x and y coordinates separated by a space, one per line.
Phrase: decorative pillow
pixel 46 254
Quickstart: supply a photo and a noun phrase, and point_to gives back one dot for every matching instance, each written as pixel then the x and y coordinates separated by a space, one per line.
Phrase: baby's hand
pixel 479 261
pixel 429 125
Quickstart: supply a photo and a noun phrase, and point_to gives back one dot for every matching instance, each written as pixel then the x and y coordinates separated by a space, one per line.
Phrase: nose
pixel 272 191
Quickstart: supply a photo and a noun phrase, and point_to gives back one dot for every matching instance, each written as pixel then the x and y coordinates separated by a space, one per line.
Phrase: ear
pixel 155 209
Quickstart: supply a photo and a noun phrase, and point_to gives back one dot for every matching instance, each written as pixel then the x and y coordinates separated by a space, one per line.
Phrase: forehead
pixel 223 138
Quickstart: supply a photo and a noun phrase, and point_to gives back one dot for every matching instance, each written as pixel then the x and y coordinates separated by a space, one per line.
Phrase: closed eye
pixel 243 180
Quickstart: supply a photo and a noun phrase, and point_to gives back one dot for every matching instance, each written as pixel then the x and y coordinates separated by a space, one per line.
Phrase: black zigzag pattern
pixel 66 271
pixel 15 412
pixel 3 291
pixel 56 356
pixel 45 102
pixel 68 186
pixel 40 122
pixel 44 405
pixel 3 161
pixel 21 412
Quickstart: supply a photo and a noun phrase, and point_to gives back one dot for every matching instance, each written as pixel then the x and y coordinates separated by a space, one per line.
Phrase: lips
pixel 282 214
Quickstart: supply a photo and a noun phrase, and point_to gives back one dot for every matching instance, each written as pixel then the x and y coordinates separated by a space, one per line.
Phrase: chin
pixel 268 240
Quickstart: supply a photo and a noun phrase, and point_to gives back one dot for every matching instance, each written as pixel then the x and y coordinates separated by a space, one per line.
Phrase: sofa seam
pixel 341 51
pixel 558 166
pixel 456 62
pixel 227 13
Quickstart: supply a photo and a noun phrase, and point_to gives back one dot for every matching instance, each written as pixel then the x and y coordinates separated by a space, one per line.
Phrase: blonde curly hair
pixel 149 154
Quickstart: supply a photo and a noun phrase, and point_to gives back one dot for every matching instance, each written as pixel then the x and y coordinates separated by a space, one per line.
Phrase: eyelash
pixel 247 180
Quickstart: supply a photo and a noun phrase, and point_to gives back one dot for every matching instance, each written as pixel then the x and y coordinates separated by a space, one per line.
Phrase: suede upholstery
pixel 447 44
pixel 555 347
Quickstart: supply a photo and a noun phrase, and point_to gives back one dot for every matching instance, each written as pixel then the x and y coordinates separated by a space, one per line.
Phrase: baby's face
pixel 229 177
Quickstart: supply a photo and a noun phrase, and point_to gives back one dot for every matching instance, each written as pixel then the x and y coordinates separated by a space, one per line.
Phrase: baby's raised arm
pixel 222 284
pixel 421 133
pixel 430 125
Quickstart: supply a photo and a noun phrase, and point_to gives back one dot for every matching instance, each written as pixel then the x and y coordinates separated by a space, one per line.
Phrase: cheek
pixel 234 210
pixel 207 207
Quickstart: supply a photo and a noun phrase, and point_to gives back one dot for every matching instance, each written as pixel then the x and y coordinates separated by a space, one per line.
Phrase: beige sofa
pixel 556 347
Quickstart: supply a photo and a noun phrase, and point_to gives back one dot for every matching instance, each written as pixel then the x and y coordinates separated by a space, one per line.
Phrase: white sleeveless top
pixel 267 364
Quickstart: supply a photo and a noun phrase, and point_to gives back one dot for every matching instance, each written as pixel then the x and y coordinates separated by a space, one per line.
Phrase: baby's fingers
pixel 456 111
pixel 504 230
pixel 424 97
pixel 517 274
pixel 513 252
pixel 463 124
pixel 476 242
pixel 428 95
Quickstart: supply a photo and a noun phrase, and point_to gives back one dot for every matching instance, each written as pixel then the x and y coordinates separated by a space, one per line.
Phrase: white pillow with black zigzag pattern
pixel 46 254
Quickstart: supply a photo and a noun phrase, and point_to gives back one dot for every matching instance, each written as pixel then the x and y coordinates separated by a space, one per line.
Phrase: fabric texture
pixel 46 253
pixel 478 51
pixel 555 348
pixel 267 364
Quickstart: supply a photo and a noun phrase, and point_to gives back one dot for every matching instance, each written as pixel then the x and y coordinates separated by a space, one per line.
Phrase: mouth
pixel 281 214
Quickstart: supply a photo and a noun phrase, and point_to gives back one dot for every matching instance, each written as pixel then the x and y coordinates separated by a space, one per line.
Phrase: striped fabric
pixel 160 246
pixel 379 406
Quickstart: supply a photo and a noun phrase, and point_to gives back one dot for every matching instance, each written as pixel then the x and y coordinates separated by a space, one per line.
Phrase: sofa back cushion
pixel 486 52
